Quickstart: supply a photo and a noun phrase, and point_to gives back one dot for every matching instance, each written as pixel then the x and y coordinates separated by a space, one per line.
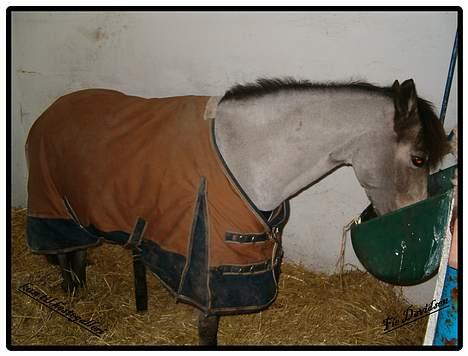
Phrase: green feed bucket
pixel 404 247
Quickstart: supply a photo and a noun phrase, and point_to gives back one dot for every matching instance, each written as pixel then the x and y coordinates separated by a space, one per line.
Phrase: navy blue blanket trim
pixel 168 266
pixel 226 293
pixel 250 292
pixel 194 283
pixel 57 235
pixel 229 293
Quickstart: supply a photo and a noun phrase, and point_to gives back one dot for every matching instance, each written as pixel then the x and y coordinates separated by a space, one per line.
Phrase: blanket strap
pixel 139 269
pixel 134 240
pixel 245 238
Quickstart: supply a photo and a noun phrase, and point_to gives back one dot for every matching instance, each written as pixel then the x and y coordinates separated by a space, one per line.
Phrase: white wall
pixel 164 54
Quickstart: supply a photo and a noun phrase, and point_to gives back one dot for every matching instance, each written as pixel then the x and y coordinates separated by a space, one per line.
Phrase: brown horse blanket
pixel 100 160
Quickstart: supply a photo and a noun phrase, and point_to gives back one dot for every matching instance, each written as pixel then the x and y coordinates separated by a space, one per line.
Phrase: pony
pixel 199 188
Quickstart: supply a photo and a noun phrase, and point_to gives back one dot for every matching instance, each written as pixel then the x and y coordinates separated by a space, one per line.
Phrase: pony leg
pixel 208 330
pixel 78 264
pixel 66 271
pixel 139 275
pixel 73 269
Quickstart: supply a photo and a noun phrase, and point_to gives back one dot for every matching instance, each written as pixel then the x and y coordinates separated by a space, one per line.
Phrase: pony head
pixel 394 168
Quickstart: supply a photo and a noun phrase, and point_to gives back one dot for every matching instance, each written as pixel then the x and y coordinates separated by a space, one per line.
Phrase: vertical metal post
pixel 434 324
pixel 448 84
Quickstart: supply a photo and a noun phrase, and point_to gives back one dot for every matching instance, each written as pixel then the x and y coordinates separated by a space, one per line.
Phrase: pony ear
pixel 408 91
pixel 405 100
pixel 396 96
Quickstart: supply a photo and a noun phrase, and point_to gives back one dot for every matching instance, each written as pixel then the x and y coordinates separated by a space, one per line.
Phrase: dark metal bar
pixel 448 84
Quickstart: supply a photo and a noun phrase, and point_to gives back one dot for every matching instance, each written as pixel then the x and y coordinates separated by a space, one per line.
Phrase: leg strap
pixel 139 274
pixel 139 269
pixel 134 240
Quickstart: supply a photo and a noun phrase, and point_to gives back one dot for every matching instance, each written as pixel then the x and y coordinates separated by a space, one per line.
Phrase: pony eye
pixel 418 161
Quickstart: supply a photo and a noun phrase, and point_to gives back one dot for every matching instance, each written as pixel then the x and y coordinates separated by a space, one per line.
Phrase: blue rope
pixel 448 84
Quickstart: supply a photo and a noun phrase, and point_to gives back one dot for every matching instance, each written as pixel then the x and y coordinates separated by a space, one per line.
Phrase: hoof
pixel 72 288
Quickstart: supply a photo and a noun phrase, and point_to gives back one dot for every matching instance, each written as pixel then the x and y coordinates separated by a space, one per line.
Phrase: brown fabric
pixel 116 157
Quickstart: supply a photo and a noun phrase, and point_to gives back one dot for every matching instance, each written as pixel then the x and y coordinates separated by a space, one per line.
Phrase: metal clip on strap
pixel 275 235
pixel 134 240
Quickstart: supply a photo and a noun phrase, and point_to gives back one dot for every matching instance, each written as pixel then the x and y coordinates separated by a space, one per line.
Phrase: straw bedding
pixel 311 308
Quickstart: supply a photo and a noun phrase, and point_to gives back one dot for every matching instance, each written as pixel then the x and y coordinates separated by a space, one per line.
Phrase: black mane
pixel 432 136
pixel 266 86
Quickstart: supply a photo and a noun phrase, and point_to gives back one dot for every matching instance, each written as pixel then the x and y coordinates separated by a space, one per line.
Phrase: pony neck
pixel 278 144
